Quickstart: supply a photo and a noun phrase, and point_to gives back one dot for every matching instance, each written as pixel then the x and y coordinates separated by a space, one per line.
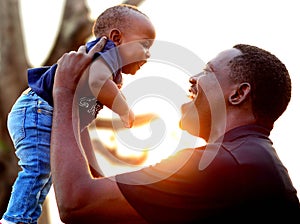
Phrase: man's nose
pixel 193 79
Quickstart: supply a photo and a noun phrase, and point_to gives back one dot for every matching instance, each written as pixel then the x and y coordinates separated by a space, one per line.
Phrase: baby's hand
pixel 127 119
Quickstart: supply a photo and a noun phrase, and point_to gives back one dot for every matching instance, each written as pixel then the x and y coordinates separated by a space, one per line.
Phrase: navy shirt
pixel 238 180
pixel 40 80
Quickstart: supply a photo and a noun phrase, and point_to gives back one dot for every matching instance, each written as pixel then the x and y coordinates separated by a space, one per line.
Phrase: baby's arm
pixel 107 92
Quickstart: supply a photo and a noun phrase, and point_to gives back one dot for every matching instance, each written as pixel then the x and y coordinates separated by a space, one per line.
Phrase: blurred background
pixel 38 32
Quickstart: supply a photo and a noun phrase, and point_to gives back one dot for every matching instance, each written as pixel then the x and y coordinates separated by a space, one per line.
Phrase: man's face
pixel 209 92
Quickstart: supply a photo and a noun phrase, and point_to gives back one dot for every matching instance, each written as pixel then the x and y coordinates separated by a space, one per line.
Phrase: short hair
pixel 269 79
pixel 115 17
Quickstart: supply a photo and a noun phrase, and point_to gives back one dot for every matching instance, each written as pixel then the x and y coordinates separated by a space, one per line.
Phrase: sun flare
pixel 157 138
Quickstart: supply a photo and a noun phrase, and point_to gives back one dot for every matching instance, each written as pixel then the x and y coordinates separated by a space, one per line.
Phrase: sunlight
pixel 39 33
pixel 147 92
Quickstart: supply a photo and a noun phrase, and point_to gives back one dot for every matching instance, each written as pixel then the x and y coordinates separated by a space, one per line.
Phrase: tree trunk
pixel 133 2
pixel 13 67
pixel 75 29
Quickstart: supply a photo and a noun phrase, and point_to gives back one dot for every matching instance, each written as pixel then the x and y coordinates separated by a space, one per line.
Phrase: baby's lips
pixel 142 63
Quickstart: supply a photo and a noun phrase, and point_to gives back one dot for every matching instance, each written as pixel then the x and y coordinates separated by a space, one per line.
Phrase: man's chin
pixel 180 123
pixel 182 126
pixel 189 129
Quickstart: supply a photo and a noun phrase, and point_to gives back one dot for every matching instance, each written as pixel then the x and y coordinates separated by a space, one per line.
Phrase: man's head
pixel 127 26
pixel 254 87
pixel 269 79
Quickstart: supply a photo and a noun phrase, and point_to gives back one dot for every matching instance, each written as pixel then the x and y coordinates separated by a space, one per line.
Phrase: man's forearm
pixel 68 165
pixel 90 154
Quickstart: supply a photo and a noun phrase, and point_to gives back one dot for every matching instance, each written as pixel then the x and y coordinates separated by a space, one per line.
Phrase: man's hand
pixel 72 65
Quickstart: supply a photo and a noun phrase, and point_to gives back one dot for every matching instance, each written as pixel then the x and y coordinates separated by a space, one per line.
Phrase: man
pixel 237 177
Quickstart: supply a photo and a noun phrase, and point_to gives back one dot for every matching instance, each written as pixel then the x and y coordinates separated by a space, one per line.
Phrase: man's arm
pixel 89 153
pixel 80 197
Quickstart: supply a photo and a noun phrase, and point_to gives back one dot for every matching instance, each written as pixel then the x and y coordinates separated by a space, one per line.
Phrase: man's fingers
pixel 82 49
pixel 98 46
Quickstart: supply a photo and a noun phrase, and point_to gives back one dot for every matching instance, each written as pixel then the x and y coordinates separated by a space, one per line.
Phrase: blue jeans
pixel 29 125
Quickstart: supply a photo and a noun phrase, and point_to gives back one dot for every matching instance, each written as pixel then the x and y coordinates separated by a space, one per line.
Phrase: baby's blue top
pixel 41 79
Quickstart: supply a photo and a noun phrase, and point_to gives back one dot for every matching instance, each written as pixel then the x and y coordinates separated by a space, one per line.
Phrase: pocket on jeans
pixel 16 125
pixel 45 113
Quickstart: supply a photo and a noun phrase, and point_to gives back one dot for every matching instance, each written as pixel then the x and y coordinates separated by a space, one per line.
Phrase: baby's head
pixel 131 30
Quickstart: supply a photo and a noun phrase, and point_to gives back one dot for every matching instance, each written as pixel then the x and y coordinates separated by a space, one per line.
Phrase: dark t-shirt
pixel 240 180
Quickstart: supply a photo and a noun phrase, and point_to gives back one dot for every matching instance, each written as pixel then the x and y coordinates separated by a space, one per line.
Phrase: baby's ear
pixel 116 36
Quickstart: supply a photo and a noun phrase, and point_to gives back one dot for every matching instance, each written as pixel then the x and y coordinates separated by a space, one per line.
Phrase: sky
pixel 204 28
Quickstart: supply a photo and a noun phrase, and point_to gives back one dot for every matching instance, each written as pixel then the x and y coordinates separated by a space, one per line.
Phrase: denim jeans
pixel 29 124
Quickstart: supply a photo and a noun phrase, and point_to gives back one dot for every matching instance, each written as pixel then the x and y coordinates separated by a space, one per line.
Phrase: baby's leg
pixel 29 124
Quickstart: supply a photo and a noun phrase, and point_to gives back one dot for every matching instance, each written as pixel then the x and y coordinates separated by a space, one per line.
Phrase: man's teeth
pixel 192 95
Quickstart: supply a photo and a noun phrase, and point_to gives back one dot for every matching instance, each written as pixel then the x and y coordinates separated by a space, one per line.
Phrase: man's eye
pixel 205 72
pixel 146 44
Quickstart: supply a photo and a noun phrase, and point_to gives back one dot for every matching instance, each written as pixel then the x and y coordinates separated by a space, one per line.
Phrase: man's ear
pixel 116 36
pixel 240 94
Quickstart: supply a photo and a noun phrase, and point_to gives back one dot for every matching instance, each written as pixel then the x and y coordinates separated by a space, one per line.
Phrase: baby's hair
pixel 115 17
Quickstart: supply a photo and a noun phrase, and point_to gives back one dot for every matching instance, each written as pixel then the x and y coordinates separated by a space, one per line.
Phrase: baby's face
pixel 134 55
pixel 135 45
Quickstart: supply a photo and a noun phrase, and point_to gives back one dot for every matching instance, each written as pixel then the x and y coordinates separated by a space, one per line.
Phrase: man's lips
pixel 193 91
